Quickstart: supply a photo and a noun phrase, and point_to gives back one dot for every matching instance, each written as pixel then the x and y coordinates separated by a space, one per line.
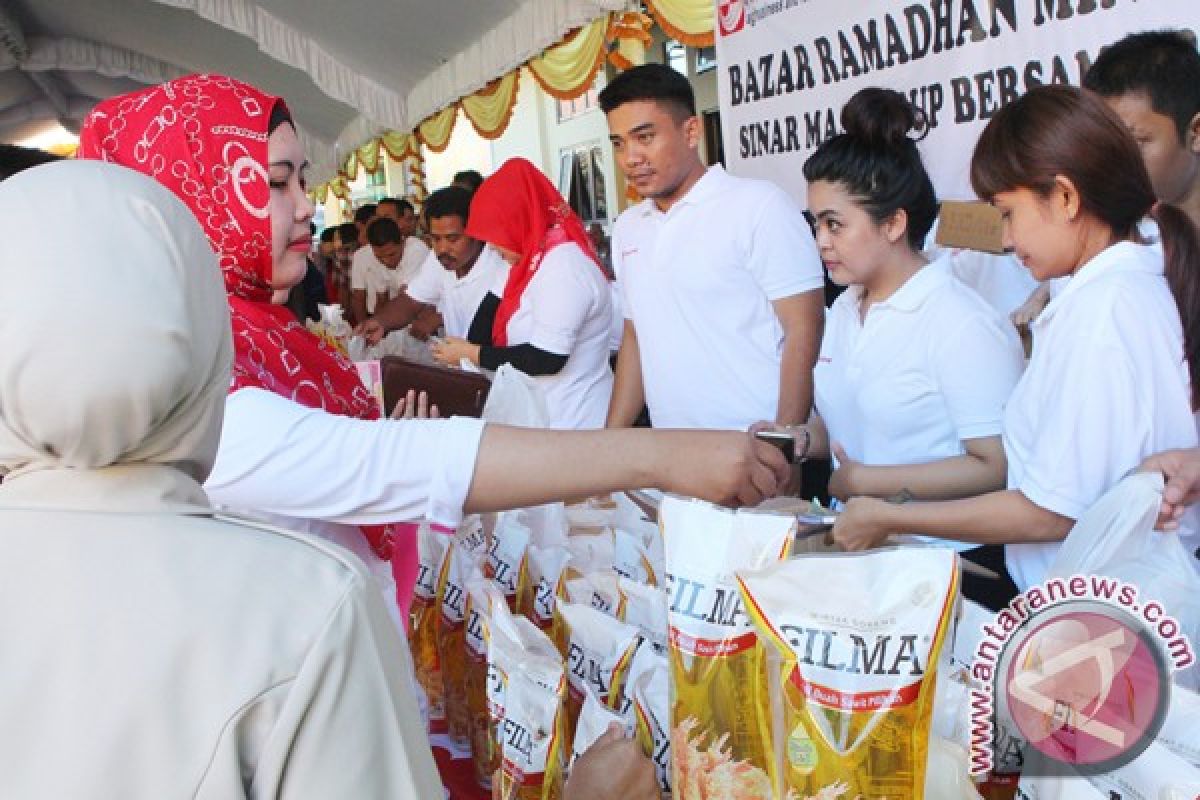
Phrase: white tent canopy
pixel 349 69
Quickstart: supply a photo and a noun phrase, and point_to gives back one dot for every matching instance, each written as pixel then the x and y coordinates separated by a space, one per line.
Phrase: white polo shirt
pixel 930 367
pixel 566 309
pixel 698 282
pixel 1106 387
pixel 369 275
pixel 457 299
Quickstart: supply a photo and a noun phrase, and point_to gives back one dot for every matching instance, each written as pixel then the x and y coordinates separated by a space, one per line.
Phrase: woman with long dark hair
pixel 915 367
pixel 1108 383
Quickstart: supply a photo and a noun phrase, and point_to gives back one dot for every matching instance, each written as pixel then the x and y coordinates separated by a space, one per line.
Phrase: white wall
pixel 466 150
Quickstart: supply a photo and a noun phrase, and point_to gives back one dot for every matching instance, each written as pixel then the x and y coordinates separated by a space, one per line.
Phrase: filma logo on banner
pixel 1078 669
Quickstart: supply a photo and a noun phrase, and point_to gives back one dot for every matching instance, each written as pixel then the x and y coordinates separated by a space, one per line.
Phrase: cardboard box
pixel 975 226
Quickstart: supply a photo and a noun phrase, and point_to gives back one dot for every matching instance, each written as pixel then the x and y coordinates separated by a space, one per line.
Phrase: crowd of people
pixel 167 422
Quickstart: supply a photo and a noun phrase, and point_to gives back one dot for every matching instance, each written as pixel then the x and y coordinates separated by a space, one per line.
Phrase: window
pixel 706 59
pixel 675 56
pixel 581 180
pixel 569 109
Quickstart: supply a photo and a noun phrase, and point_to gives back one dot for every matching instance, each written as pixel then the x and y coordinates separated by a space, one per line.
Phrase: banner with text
pixel 786 67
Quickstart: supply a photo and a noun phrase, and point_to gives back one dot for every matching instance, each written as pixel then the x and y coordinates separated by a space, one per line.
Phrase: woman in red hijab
pixel 302 443
pixel 552 316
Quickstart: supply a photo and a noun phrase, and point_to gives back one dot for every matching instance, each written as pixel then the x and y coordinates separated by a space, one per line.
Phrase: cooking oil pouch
pixel 422 627
pixel 600 590
pixel 538 596
pixel 854 641
pixel 458 567
pixel 532 733
pixel 632 558
pixel 591 550
pixel 717 749
pixel 594 719
pixel 645 608
pixel 484 600
pixel 547 524
pixel 600 650
pixel 652 703
pixel 507 549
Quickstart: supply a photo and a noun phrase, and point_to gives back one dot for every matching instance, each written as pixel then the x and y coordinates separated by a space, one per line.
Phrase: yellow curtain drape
pixel 689 21
pixel 368 156
pixel 400 146
pixel 435 131
pixel 566 70
pixel 490 109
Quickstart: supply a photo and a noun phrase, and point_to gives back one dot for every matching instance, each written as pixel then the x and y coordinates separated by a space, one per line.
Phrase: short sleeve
pixel 561 300
pixel 360 269
pixel 426 287
pixel 279 457
pixel 783 256
pixel 977 364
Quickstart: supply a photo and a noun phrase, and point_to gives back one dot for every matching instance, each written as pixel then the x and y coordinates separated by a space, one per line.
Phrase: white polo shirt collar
pixel 708 186
pixel 1119 258
pixel 911 295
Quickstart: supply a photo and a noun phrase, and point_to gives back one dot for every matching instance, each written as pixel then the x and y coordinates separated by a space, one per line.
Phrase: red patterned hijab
pixel 518 209
pixel 204 137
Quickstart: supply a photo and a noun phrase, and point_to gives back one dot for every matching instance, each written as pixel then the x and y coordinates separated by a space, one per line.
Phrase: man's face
pixel 388 254
pixel 453 248
pixel 408 222
pixel 1174 165
pixel 654 150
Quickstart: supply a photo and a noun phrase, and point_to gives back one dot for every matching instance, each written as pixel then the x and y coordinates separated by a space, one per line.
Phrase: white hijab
pixel 115 343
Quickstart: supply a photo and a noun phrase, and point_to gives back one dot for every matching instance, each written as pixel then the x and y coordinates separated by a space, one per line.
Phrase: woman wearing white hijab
pixel 146 650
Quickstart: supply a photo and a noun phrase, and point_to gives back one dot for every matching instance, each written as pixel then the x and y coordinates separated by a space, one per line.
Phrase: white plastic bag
pixel 515 399
pixel 1116 537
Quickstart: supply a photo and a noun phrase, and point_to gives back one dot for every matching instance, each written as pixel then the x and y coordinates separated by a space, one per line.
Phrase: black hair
pixel 1162 64
pixel 400 203
pixel 468 179
pixel 655 82
pixel 383 231
pixel 453 201
pixel 365 213
pixel 328 234
pixel 347 232
pixel 14 159
pixel 877 161
pixel 280 115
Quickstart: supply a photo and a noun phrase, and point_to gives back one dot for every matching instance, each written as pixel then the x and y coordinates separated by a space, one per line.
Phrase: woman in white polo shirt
pixel 1108 382
pixel 915 367
pixel 550 316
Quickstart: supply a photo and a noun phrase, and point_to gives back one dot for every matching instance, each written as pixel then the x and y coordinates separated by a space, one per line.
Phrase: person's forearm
pixel 358 305
pixel 1003 517
pixel 628 396
pixel 945 479
pixel 795 384
pixel 397 313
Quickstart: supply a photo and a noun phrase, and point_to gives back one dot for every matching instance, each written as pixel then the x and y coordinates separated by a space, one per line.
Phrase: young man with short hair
pixel 410 251
pixel 455 278
pixel 1152 81
pixel 720 278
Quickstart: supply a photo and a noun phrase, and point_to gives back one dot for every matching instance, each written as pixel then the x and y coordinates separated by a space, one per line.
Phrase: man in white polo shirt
pixel 367 272
pixel 720 279
pixel 454 279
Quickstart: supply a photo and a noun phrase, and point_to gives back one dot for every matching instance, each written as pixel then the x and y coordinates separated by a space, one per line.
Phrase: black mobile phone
pixel 784 441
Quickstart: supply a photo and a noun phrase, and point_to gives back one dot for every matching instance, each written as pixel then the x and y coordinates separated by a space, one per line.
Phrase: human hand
pixel 1181 468
pixel 724 467
pixel 614 768
pixel 862 524
pixel 452 350
pixel 415 406
pixel 425 325
pixel 1028 311
pixel 371 330
pixel 842 483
